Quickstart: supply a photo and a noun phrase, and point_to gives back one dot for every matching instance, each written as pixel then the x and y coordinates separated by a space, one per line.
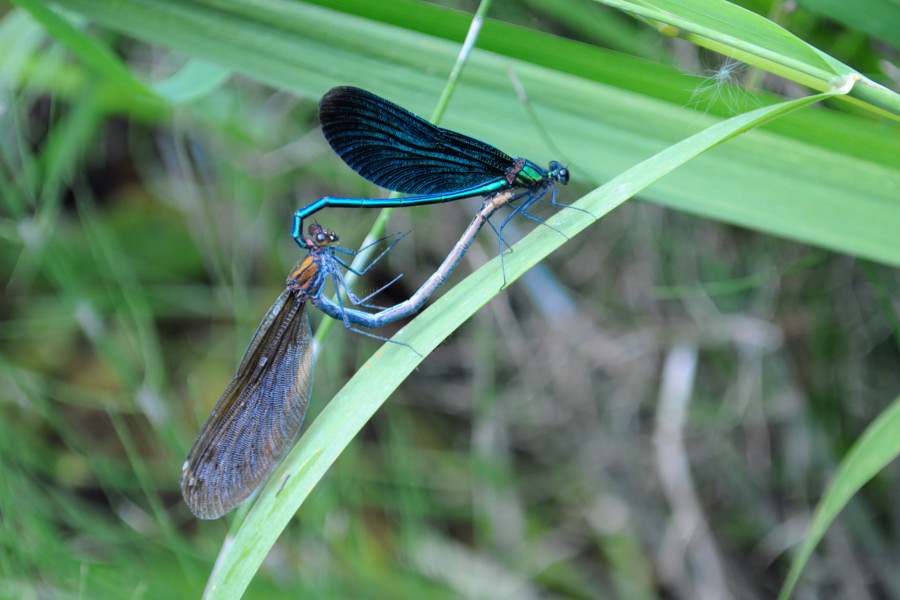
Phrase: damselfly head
pixel 321 237
pixel 561 172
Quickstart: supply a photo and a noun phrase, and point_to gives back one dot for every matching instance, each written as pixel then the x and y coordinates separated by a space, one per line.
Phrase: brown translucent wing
pixel 256 420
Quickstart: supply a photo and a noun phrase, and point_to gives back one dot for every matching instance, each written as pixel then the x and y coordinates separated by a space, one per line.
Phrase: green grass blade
pixel 97 55
pixel 378 227
pixel 762 43
pixel 194 80
pixel 822 178
pixel 737 27
pixel 355 404
pixel 878 446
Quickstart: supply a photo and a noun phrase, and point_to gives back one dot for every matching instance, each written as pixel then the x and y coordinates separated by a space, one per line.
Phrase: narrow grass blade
pixel 355 404
pixel 97 55
pixel 878 446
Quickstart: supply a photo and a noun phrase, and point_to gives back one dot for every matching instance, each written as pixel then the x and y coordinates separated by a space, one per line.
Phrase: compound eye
pixel 325 238
pixel 561 172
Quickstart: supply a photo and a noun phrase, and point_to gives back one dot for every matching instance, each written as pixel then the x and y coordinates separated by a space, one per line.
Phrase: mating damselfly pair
pixel 260 413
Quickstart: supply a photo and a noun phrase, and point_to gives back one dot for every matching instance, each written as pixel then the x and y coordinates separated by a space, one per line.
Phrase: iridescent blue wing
pixel 400 151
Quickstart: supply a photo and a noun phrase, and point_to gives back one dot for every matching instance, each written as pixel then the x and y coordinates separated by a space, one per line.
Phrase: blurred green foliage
pixel 653 412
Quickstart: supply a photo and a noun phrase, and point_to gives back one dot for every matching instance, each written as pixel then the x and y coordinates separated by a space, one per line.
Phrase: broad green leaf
pixel 875 17
pixel 834 193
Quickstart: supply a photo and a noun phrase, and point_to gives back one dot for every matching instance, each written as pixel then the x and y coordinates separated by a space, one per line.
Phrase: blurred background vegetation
pixel 653 412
